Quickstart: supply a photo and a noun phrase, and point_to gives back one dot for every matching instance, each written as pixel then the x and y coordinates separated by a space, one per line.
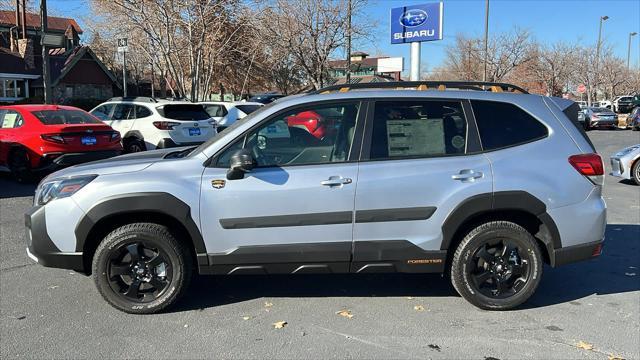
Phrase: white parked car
pixel 148 123
pixel 226 113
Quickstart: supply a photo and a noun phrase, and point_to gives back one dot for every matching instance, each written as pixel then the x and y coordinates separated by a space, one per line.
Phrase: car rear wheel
pixel 20 166
pixel 141 268
pixel 133 145
pixel 497 266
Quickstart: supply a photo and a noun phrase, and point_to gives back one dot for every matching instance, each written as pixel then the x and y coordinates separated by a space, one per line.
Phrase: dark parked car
pixel 265 98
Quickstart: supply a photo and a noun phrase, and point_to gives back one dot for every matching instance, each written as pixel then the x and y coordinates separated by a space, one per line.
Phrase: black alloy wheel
pixel 497 265
pixel 499 268
pixel 139 272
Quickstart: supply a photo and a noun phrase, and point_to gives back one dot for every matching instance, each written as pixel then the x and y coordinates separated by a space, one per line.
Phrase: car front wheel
pixel 497 266
pixel 141 268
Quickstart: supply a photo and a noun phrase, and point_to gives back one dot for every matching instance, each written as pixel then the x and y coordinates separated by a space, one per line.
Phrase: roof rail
pixel 426 85
pixel 134 98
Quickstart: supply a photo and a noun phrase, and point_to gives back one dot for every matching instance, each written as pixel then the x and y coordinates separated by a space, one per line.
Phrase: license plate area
pixel 194 132
pixel 88 140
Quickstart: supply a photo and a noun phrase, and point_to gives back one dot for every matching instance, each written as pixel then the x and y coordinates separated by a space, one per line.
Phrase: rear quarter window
pixel 503 125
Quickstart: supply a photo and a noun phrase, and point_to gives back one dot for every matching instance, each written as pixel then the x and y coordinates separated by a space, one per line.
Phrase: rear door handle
pixel 467 175
pixel 335 181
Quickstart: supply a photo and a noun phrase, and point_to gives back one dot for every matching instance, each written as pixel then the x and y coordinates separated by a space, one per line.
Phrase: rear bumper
pixel 70 159
pixel 41 249
pixel 575 253
pixel 169 143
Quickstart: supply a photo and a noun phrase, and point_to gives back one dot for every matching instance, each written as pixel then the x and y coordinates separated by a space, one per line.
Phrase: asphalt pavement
pixel 53 313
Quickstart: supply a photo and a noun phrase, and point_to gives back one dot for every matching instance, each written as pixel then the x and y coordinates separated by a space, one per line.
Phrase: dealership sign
pixel 416 23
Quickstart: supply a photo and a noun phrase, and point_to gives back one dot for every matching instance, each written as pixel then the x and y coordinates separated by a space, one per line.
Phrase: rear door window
pixel 123 112
pixel 10 119
pixel 63 117
pixel 103 112
pixel 415 129
pixel 184 112
pixel 503 125
pixel 142 112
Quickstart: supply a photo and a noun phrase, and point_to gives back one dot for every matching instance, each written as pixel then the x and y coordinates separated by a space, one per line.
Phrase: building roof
pixel 13 63
pixel 363 79
pixel 8 19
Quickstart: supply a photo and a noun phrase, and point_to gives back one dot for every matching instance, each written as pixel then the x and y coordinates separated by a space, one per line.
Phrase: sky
pixel 547 20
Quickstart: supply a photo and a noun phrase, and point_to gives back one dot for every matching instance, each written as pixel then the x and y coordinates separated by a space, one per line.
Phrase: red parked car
pixel 36 138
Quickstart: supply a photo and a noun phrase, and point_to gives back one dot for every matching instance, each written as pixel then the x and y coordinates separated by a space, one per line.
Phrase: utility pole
pixel 629 48
pixel 348 73
pixel 45 53
pixel 486 39
pixel 602 18
pixel 124 73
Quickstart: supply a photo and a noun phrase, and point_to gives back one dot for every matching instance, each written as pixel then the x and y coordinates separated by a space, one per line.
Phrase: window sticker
pixel 278 129
pixel 415 137
pixel 9 121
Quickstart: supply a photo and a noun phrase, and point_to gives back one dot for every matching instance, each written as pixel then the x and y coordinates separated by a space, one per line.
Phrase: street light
pixel 602 18
pixel 629 48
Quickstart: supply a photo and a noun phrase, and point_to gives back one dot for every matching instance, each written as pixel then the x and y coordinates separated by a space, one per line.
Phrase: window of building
pixel 413 129
pixel 13 88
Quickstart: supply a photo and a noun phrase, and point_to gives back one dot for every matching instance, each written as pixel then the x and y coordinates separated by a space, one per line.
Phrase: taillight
pixel 54 138
pixel 115 136
pixel 589 165
pixel 165 125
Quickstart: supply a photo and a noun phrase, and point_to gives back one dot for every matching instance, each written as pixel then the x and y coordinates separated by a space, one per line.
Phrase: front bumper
pixel 575 253
pixel 40 247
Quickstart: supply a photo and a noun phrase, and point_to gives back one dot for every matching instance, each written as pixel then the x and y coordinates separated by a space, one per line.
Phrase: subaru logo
pixel 413 17
pixel 195 124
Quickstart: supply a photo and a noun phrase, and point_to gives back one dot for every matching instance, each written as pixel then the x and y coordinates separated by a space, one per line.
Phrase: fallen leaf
pixel 246 317
pixel 584 345
pixel 615 357
pixel 418 308
pixel 279 324
pixel 345 313
pixel 268 304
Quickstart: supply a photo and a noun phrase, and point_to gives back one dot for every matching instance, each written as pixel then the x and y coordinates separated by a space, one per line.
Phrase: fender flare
pixel 156 202
pixel 497 201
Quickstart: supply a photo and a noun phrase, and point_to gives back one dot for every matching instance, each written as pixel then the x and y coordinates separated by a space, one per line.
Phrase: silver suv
pixel 483 185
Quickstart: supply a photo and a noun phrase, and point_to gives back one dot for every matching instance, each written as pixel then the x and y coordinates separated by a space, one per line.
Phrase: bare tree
pixel 553 66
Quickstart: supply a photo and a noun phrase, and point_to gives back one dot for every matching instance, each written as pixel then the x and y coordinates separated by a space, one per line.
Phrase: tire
pixel 157 280
pixel 474 278
pixel 635 172
pixel 20 166
pixel 133 145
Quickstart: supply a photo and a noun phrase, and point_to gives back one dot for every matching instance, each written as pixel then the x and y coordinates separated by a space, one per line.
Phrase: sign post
pixel 123 48
pixel 415 24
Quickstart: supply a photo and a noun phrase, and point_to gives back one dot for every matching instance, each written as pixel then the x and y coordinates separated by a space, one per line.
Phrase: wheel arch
pixel 133 134
pixel 161 208
pixel 519 207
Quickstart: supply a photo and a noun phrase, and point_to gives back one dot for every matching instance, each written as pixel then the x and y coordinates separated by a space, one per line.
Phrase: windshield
pixel 235 125
pixel 63 117
pixel 248 109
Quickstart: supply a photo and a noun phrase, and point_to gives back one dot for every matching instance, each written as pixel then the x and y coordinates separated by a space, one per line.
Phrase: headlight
pixel 60 188
pixel 627 150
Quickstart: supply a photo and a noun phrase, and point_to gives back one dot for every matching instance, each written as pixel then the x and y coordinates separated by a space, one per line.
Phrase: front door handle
pixel 467 175
pixel 335 181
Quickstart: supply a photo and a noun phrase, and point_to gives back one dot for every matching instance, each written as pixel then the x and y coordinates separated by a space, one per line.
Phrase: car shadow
pixel 627 182
pixel 608 274
pixel 10 188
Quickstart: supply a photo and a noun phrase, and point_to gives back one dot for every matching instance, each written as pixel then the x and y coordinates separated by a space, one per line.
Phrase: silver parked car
pixel 597 117
pixel 486 186
pixel 626 163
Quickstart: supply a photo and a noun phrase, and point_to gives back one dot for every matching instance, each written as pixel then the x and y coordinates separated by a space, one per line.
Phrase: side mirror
pixel 240 163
